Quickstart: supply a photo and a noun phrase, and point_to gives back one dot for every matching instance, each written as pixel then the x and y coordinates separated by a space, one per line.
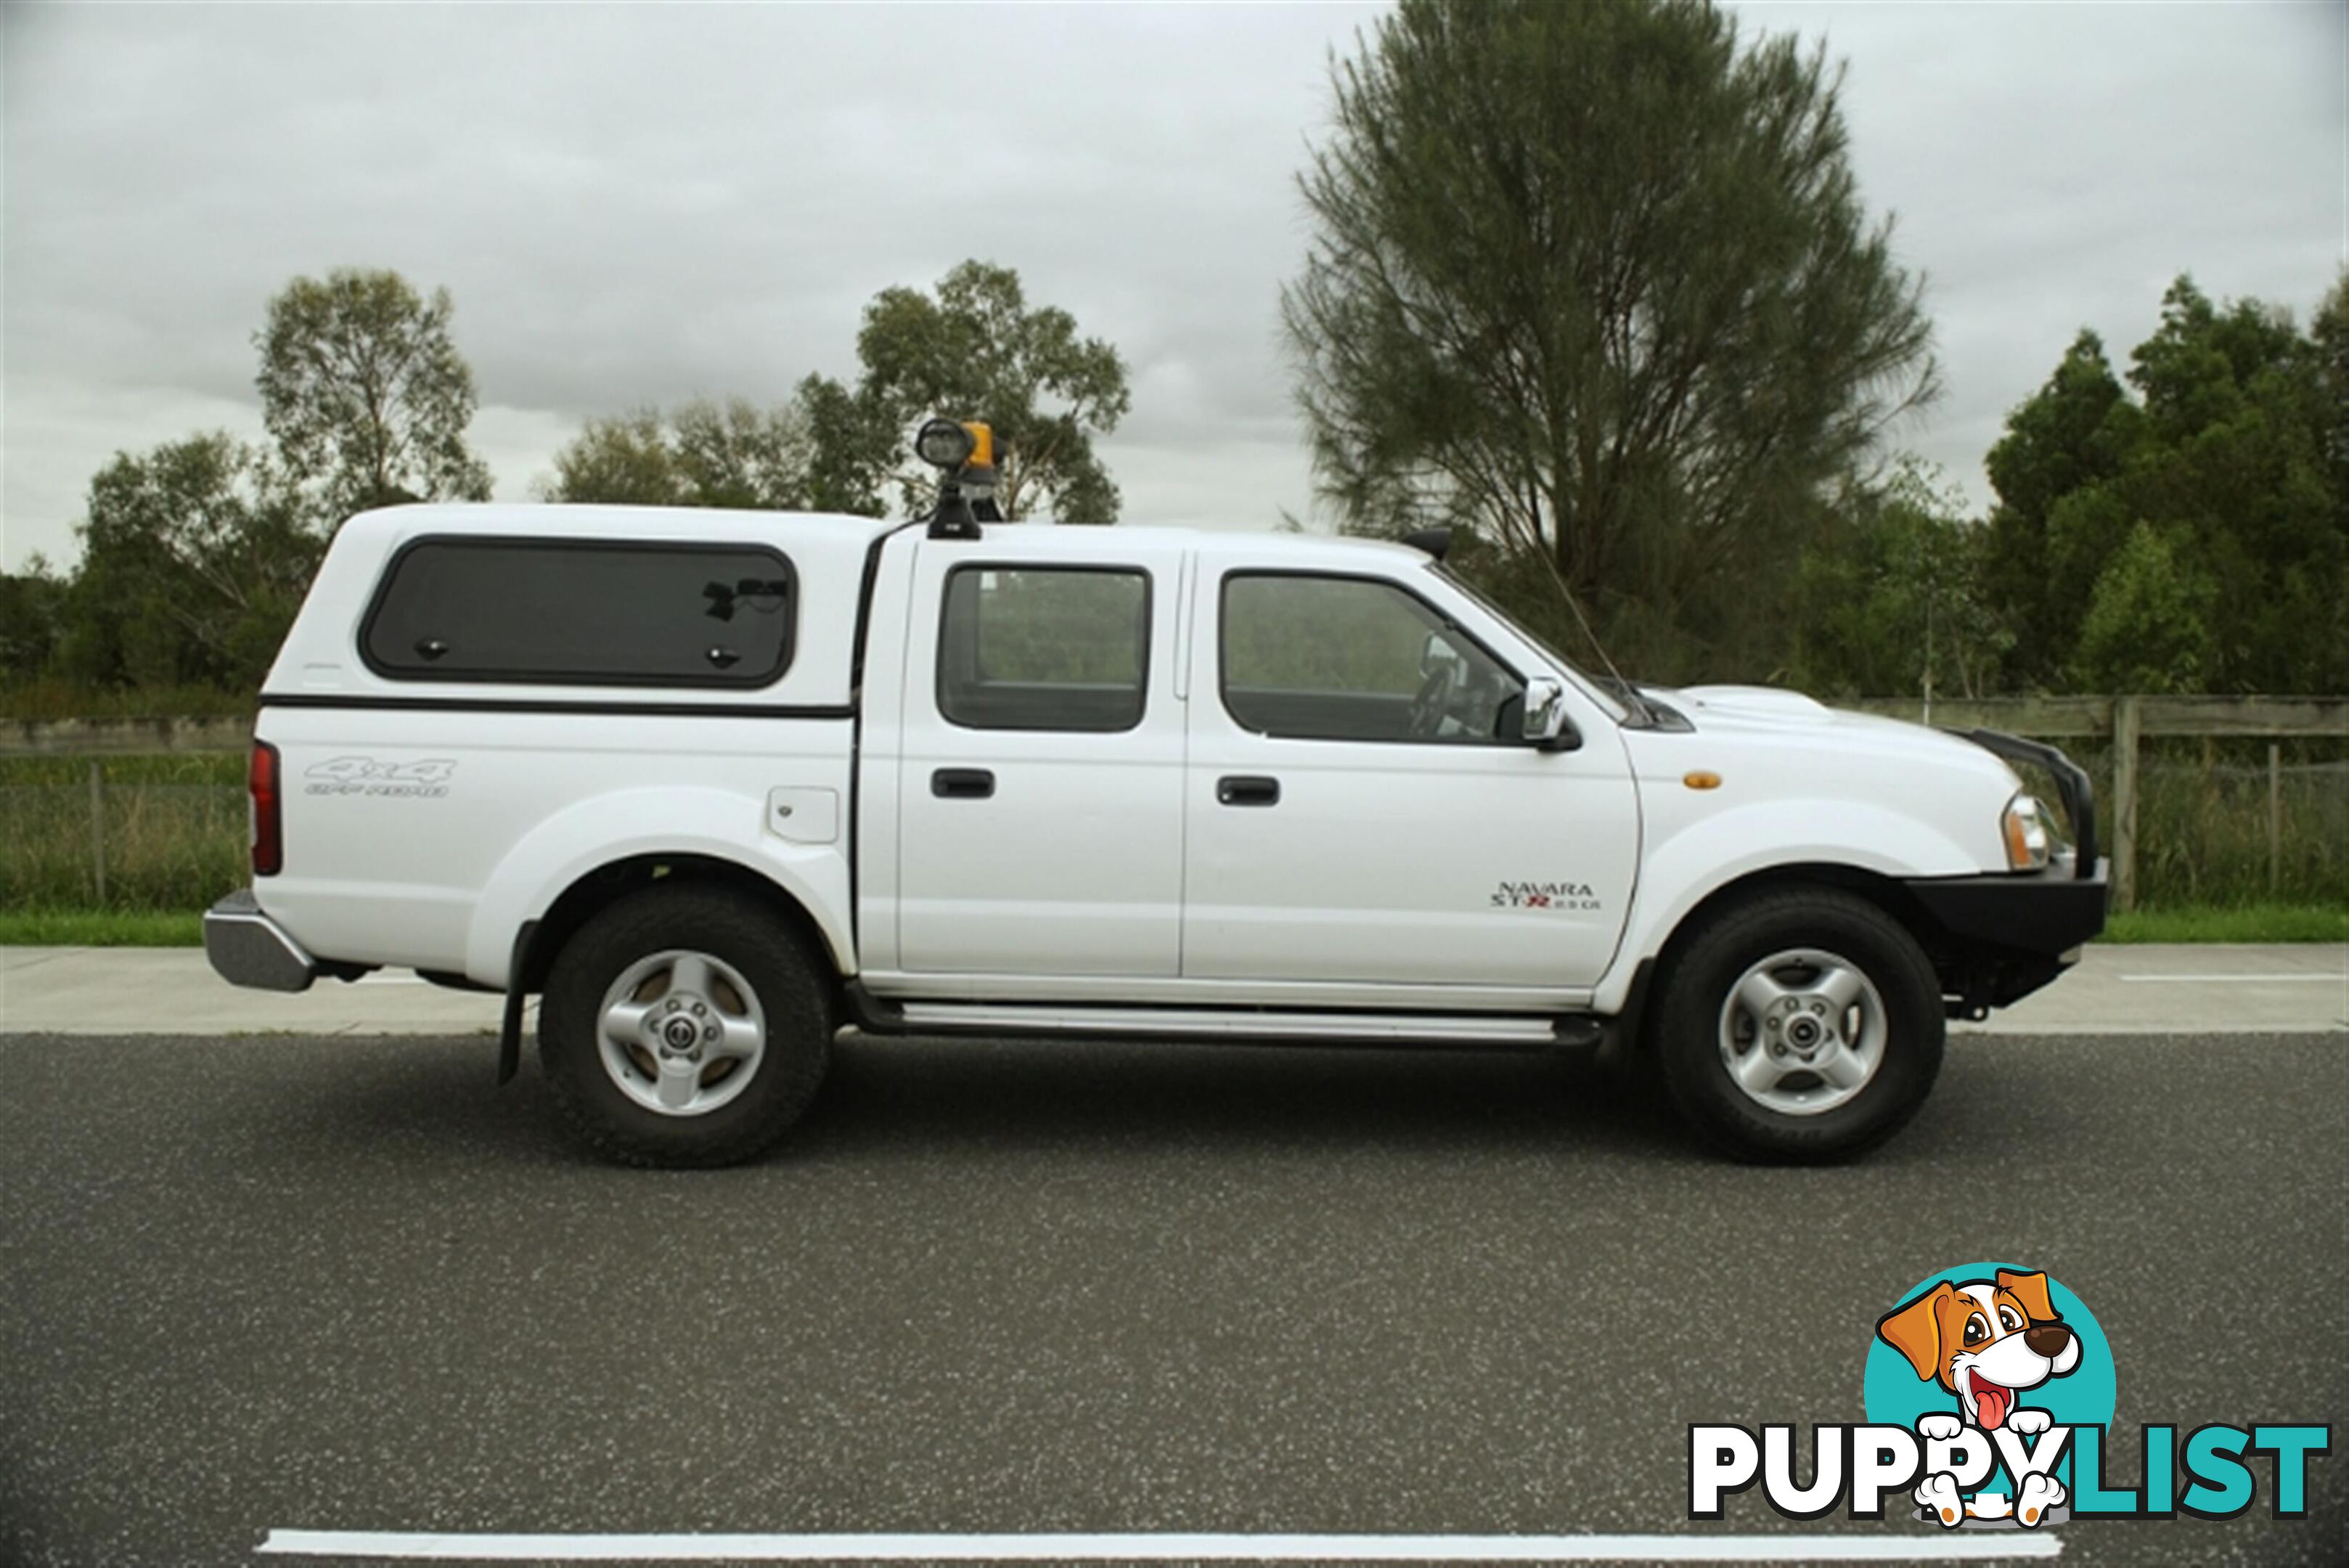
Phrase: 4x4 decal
pixel 427 780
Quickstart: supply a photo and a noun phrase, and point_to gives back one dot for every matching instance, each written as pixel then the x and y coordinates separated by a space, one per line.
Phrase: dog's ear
pixel 2031 1290
pixel 1915 1330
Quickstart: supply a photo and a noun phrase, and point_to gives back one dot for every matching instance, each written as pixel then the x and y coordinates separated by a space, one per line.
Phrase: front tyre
pixel 1803 1024
pixel 684 1026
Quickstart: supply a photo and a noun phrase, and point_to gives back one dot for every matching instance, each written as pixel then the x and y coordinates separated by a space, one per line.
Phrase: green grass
pixel 99 928
pixel 2248 924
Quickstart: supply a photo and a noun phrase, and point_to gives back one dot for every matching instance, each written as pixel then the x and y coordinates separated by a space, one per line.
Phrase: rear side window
pixel 1044 647
pixel 583 612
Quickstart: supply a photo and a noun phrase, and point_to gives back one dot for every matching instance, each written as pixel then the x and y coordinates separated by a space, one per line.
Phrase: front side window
pixel 1356 659
pixel 585 612
pixel 1044 647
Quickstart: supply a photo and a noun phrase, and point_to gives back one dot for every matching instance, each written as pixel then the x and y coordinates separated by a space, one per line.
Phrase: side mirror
pixel 1546 725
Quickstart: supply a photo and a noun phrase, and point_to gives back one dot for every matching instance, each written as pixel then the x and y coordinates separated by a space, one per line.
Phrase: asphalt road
pixel 286 1282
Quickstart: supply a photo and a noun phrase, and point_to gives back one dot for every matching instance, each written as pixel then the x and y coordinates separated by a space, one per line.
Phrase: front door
pixel 1040 776
pixel 1358 806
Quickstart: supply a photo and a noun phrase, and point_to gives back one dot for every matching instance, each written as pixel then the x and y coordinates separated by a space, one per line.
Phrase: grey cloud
pixel 643 204
pixel 2055 167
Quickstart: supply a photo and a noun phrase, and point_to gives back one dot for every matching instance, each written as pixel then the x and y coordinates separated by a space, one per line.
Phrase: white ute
pixel 716 784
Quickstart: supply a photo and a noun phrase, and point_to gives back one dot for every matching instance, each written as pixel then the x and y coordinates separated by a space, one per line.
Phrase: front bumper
pixel 247 948
pixel 2050 911
pixel 2004 936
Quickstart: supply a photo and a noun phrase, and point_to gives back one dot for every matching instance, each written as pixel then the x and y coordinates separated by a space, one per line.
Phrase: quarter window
pixel 583 612
pixel 1356 659
pixel 1044 647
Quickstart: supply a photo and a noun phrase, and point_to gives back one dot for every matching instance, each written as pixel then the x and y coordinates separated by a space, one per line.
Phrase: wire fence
pixel 2234 833
pixel 121 833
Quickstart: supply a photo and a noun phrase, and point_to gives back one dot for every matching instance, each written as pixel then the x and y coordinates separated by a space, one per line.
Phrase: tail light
pixel 268 815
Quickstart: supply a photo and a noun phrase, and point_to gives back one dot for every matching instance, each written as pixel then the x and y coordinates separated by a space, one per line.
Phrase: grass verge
pixel 2252 923
pixel 100 929
pixel 2246 923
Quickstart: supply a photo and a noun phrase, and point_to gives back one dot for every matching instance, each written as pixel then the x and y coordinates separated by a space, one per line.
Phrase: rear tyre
pixel 684 1026
pixel 1800 1025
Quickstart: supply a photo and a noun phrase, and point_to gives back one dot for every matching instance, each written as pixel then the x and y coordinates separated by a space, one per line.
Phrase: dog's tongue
pixel 1993 1402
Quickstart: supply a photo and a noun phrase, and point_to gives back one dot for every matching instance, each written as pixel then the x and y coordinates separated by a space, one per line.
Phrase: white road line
pixel 2091 1032
pixel 2004 1545
pixel 2236 979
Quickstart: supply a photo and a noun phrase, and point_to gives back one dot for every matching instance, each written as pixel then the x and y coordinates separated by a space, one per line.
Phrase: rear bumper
pixel 247 948
pixel 2004 936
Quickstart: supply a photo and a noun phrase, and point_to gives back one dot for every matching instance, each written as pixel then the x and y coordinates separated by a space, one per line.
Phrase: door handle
pixel 1244 789
pixel 962 784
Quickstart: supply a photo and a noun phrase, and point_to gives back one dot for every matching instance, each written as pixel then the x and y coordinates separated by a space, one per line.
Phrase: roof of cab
pixel 1254 541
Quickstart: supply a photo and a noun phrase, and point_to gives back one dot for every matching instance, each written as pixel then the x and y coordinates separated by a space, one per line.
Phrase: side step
pixel 875 1016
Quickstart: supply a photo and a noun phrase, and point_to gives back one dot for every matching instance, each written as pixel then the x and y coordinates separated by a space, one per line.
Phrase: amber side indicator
pixel 1701 780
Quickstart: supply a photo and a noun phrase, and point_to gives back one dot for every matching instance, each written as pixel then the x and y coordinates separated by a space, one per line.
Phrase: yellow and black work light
pixel 942 443
pixel 963 452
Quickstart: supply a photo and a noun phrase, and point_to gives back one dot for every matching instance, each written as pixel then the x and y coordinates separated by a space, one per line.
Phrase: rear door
pixel 1041 772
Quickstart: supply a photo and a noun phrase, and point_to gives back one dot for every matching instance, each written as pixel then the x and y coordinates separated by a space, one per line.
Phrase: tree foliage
pixel 32 603
pixel 195 558
pixel 624 460
pixel 2194 536
pixel 974 349
pixel 1892 597
pixel 1595 280
pixel 810 454
pixel 851 448
pixel 703 454
pixel 365 394
pixel 2075 433
pixel 2147 621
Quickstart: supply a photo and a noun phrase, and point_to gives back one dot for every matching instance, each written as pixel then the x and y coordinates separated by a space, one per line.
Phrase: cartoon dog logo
pixel 1986 1341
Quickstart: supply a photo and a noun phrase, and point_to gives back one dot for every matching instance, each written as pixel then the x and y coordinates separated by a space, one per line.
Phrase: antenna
pixel 1558 578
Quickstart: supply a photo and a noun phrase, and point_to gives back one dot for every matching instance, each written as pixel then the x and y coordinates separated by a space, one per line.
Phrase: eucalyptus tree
pixel 976 350
pixel 1595 281
pixel 364 390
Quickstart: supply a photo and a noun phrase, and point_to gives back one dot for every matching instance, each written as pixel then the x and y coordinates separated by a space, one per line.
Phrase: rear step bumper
pixel 247 948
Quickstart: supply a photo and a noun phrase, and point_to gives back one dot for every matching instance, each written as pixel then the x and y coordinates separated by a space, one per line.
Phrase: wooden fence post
pixel 98 829
pixel 2275 817
pixel 2127 720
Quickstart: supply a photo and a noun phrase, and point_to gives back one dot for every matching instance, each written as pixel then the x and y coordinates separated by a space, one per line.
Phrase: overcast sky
pixel 650 203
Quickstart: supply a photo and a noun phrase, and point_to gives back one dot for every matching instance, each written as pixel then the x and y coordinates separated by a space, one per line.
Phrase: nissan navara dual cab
pixel 714 786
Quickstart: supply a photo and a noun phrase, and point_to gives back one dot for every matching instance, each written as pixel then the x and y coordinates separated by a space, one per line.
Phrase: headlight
pixel 2025 827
